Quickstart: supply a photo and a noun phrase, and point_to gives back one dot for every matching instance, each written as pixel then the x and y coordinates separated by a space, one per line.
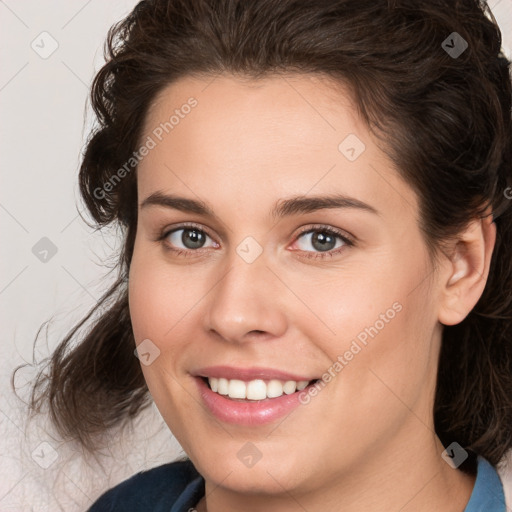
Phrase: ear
pixel 464 276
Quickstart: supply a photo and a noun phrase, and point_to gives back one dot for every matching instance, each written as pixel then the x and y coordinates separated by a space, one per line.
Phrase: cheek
pixel 352 304
pixel 160 296
pixel 388 359
pixel 376 322
pixel 159 302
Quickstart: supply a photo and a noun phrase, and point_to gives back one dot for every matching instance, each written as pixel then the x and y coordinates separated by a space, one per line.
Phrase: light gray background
pixel 43 128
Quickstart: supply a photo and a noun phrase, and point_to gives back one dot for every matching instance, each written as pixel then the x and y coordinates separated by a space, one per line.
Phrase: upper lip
pixel 247 374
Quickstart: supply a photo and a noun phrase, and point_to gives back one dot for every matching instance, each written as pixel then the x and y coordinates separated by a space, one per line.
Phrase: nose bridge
pixel 246 299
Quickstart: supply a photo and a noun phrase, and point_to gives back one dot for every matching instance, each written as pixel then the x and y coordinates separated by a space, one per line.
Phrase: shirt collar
pixel 487 495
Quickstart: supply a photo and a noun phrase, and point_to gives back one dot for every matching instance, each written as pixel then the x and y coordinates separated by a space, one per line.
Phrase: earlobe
pixel 464 279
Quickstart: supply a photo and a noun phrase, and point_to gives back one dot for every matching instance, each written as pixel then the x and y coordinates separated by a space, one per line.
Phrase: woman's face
pixel 280 275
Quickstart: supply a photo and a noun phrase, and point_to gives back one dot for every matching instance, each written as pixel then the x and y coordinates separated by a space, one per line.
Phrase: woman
pixel 317 266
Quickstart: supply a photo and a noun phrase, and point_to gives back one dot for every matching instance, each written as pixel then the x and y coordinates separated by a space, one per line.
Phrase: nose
pixel 248 303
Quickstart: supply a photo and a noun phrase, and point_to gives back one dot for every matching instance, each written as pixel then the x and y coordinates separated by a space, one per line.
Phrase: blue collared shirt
pixel 178 487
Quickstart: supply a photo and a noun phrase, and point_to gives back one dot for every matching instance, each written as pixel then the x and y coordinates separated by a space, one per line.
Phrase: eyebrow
pixel 283 208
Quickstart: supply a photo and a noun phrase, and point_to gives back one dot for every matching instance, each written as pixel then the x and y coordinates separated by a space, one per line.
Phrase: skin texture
pixel 366 441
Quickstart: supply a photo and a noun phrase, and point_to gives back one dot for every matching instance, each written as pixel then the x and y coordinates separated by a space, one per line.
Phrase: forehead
pixel 298 109
pixel 281 135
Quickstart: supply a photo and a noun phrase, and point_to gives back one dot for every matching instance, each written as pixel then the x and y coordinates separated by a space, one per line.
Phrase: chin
pixel 272 476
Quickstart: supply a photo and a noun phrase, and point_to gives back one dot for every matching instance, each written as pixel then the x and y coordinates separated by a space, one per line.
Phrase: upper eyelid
pixel 167 232
pixel 319 227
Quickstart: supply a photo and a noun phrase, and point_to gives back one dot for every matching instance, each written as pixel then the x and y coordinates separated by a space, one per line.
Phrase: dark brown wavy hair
pixel 444 120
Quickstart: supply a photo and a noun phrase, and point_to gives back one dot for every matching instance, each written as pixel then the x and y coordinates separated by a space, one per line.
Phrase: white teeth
pixel 256 389
pixel 290 387
pixel 301 385
pixel 223 387
pixel 237 389
pixel 274 389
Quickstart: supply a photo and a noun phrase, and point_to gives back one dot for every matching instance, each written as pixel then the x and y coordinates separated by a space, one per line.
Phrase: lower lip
pixel 257 412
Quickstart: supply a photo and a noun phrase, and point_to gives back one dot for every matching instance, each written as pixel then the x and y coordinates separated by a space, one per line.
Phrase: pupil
pixel 324 241
pixel 192 238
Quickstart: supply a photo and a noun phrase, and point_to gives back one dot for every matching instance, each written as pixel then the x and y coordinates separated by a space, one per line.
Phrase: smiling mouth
pixel 255 390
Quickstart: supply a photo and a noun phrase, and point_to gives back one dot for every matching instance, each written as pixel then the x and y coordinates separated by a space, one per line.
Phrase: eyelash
pixel 308 254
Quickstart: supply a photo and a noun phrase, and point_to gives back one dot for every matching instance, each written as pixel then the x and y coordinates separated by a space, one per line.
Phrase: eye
pixel 185 239
pixel 324 240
